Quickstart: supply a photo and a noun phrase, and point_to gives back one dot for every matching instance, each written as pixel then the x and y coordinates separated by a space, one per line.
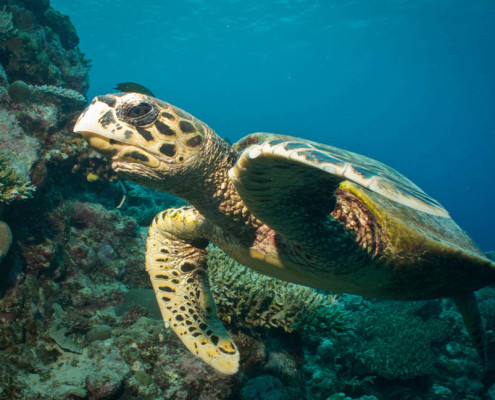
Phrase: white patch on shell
pixel 278 150
pixel 255 152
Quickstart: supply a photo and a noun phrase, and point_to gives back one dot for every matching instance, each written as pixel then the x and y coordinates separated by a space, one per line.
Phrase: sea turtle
pixel 290 208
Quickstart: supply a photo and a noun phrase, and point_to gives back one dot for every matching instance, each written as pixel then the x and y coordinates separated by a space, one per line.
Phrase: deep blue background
pixel 408 82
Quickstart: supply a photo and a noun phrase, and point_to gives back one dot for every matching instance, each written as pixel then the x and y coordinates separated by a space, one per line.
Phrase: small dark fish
pixel 131 87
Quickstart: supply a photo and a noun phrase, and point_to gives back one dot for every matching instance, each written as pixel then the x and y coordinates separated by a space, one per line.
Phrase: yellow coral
pixel 5 239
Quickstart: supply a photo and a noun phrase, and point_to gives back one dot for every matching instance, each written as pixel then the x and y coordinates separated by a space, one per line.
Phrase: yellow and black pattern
pixel 176 263
pixel 136 128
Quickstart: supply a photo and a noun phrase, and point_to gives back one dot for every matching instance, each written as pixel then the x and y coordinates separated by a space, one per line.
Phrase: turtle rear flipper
pixel 176 264
pixel 468 307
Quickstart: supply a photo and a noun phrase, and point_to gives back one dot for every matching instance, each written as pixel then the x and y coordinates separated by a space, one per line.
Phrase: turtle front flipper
pixel 286 182
pixel 176 263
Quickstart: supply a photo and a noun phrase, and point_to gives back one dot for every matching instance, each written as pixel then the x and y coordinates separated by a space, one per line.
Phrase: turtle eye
pixel 139 111
pixel 142 113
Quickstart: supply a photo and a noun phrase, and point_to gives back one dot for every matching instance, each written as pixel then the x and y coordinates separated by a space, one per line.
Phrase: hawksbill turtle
pixel 290 208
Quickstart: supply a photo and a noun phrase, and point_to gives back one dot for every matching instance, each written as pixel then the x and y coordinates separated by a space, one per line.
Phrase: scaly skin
pixel 357 243
pixel 176 264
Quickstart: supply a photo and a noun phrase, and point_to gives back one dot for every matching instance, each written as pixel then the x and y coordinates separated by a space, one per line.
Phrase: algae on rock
pixel 14 183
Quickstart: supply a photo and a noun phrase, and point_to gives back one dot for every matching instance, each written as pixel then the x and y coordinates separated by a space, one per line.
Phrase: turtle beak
pixel 92 127
pixel 88 123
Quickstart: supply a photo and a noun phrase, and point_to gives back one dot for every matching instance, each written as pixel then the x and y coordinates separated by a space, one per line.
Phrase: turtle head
pixel 147 140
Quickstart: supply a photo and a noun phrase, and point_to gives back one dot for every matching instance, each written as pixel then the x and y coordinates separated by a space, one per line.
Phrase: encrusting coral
pixel 245 298
pixel 5 239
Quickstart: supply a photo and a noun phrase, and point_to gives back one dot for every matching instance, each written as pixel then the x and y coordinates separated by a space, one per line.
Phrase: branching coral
pixel 246 298
pixel 7 29
pixel 14 185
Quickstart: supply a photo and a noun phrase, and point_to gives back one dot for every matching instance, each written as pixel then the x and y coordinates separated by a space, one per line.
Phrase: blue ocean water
pixel 410 83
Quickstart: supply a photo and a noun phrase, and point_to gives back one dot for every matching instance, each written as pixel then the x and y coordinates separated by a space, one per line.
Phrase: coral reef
pixel 42 47
pixel 14 181
pixel 35 116
pixel 61 25
pixel 42 86
pixel 7 29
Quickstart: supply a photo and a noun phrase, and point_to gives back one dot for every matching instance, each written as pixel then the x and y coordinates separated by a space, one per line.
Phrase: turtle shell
pixel 366 172
pixel 290 184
